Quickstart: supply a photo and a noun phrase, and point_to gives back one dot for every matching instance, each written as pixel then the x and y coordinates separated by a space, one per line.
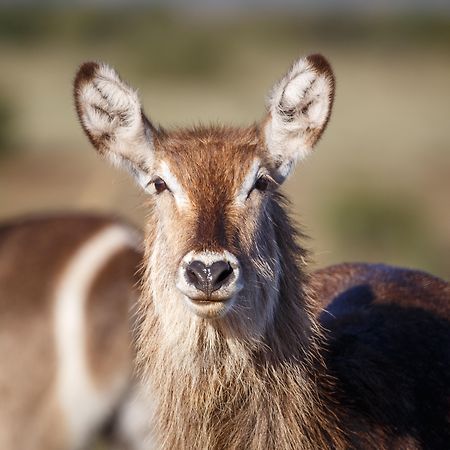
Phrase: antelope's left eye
pixel 262 183
pixel 160 185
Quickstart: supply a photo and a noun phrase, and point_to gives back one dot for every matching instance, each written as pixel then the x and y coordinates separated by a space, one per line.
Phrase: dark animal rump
pixel 388 337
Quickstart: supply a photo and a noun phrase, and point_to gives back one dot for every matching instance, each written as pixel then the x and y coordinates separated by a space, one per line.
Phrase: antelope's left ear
pixel 299 107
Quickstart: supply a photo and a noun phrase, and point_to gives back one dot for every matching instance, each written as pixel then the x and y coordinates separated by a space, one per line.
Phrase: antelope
pixel 239 346
pixel 68 288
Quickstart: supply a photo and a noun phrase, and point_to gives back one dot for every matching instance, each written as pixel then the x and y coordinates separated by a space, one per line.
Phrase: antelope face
pixel 212 191
pixel 209 192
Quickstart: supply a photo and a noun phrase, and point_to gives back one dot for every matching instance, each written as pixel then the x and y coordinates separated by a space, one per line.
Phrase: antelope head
pixel 212 242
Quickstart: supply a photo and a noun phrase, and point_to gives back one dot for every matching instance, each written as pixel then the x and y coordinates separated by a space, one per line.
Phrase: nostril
pixel 219 273
pixel 197 274
pixel 225 274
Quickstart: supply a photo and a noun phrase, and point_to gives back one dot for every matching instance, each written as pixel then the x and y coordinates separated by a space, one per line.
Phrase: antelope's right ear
pixel 111 115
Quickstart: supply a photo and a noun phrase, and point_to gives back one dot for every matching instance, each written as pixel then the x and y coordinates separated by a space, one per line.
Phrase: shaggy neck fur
pixel 225 384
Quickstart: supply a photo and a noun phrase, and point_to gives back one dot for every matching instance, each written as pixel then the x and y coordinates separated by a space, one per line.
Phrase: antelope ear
pixel 110 114
pixel 299 106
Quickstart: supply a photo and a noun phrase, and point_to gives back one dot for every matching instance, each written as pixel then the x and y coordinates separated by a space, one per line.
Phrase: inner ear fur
pixel 299 107
pixel 110 113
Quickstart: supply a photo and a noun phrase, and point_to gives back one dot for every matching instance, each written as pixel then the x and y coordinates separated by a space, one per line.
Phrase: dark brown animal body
pixel 232 346
pixel 387 332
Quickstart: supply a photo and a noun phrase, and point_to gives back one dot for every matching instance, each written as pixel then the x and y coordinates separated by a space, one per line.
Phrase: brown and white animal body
pixel 229 344
pixel 68 286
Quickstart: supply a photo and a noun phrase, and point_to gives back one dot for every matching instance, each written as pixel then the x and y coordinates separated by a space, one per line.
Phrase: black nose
pixel 208 278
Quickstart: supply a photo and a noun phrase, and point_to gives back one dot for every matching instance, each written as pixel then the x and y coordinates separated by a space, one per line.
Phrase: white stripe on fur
pixel 84 404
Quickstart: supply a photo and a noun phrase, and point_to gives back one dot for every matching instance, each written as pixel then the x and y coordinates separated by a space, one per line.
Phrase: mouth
pixel 203 301
pixel 209 308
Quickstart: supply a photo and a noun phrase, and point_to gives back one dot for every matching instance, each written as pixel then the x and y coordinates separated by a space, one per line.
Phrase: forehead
pixel 210 157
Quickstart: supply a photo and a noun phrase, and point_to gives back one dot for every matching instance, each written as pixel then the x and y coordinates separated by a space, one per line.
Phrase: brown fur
pixel 227 386
pixel 208 184
pixel 244 384
pixel 230 383
pixel 388 341
pixel 24 323
pixel 405 288
pixel 265 374
pixel 33 254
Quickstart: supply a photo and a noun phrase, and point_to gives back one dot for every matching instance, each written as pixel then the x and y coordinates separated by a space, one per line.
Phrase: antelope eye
pixel 160 185
pixel 262 183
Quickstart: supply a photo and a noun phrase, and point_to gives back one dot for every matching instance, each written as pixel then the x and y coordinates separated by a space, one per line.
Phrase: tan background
pixel 377 187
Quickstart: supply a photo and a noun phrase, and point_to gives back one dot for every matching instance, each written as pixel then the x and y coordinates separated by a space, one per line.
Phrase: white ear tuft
pixel 299 108
pixel 110 114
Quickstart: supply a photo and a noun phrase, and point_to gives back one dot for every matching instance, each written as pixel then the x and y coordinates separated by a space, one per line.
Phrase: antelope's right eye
pixel 160 185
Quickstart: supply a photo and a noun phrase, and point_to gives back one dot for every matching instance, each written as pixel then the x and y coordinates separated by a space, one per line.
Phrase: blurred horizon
pixel 377 186
pixel 344 6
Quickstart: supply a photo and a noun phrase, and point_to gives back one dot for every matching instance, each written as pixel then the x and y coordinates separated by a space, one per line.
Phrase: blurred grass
pixel 383 226
pixel 6 125
pixel 377 187
pixel 77 26
pixel 164 42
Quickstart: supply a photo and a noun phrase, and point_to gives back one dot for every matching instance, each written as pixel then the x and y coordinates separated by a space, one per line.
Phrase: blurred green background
pixel 377 187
